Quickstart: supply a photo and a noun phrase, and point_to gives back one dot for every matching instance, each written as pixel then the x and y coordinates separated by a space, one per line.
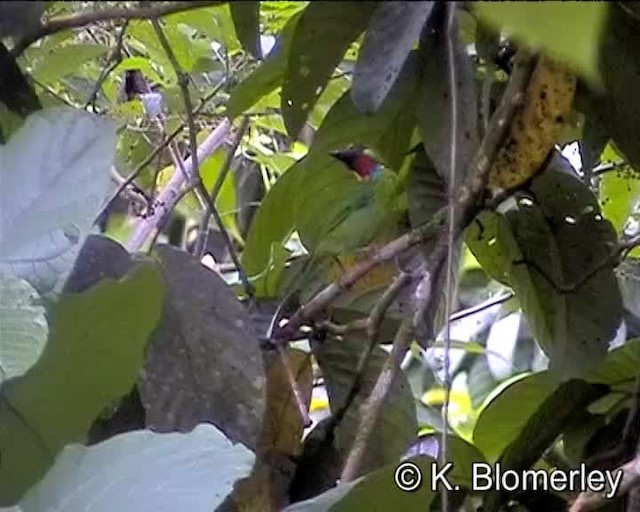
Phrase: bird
pixel 372 215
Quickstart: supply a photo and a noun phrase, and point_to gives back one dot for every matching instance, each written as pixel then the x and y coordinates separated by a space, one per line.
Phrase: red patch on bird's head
pixel 362 164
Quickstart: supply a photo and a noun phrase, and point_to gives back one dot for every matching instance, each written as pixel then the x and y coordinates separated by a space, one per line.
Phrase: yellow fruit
pixel 536 125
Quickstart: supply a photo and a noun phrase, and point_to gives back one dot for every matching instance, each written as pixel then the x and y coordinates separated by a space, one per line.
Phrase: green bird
pixel 365 214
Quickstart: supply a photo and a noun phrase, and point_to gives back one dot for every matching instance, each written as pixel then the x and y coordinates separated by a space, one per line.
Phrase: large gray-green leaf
pixel 55 176
pixel 547 241
pixel 397 425
pixel 143 471
pixel 434 106
pixel 246 18
pixel 203 363
pixel 393 30
pixel 23 327
pixel 94 353
pixel 320 40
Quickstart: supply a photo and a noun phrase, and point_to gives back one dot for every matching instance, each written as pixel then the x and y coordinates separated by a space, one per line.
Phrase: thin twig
pixel 373 405
pixel 159 148
pixel 470 194
pixel 468 203
pixel 203 232
pixel 113 60
pixel 183 82
pixel 79 20
pixel 331 292
pixel 372 323
pixel 451 237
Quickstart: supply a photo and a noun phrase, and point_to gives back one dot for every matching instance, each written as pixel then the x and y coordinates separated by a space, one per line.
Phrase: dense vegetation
pixel 202 308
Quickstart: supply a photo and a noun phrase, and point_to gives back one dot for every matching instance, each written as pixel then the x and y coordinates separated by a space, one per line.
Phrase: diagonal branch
pixel 183 82
pixel 468 202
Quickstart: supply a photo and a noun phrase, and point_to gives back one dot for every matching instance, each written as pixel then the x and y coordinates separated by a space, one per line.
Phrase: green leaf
pixel 65 60
pixel 141 470
pixel 55 176
pixel 345 125
pixel 210 169
pixel 320 40
pixel 266 77
pixel 569 31
pixel 547 241
pixel 508 411
pixel 23 327
pixel 246 18
pixel 93 356
pixel 215 22
pixel 397 427
pixel 273 223
pixel 543 427
pixel 621 365
pixel 392 32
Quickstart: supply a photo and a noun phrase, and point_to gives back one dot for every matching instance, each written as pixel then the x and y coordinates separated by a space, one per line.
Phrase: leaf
pixel 23 327
pixel 508 411
pixel 246 18
pixel 433 110
pixel 546 240
pixel 100 258
pixel 266 77
pixel 390 36
pixel 345 125
pixel 568 31
pixel 143 470
pixel 202 344
pixel 93 355
pixel 65 60
pixel 267 488
pixel 375 491
pixel 273 223
pixel 19 18
pixel 55 176
pixel 320 40
pixel 542 429
pixel 620 366
pixel 397 427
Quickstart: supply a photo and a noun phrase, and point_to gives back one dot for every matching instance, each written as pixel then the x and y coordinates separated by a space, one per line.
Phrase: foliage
pixel 115 356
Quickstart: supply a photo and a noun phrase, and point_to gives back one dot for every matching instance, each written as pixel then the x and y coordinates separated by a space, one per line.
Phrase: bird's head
pixel 363 165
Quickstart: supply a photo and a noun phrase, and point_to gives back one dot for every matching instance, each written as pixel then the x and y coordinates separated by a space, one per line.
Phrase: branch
pixel 183 82
pixel 325 297
pixel 167 197
pixel 79 20
pixel 373 405
pixel 160 147
pixel 468 200
pixel 113 60
pixel 467 203
pixel 201 242
pixel 590 500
